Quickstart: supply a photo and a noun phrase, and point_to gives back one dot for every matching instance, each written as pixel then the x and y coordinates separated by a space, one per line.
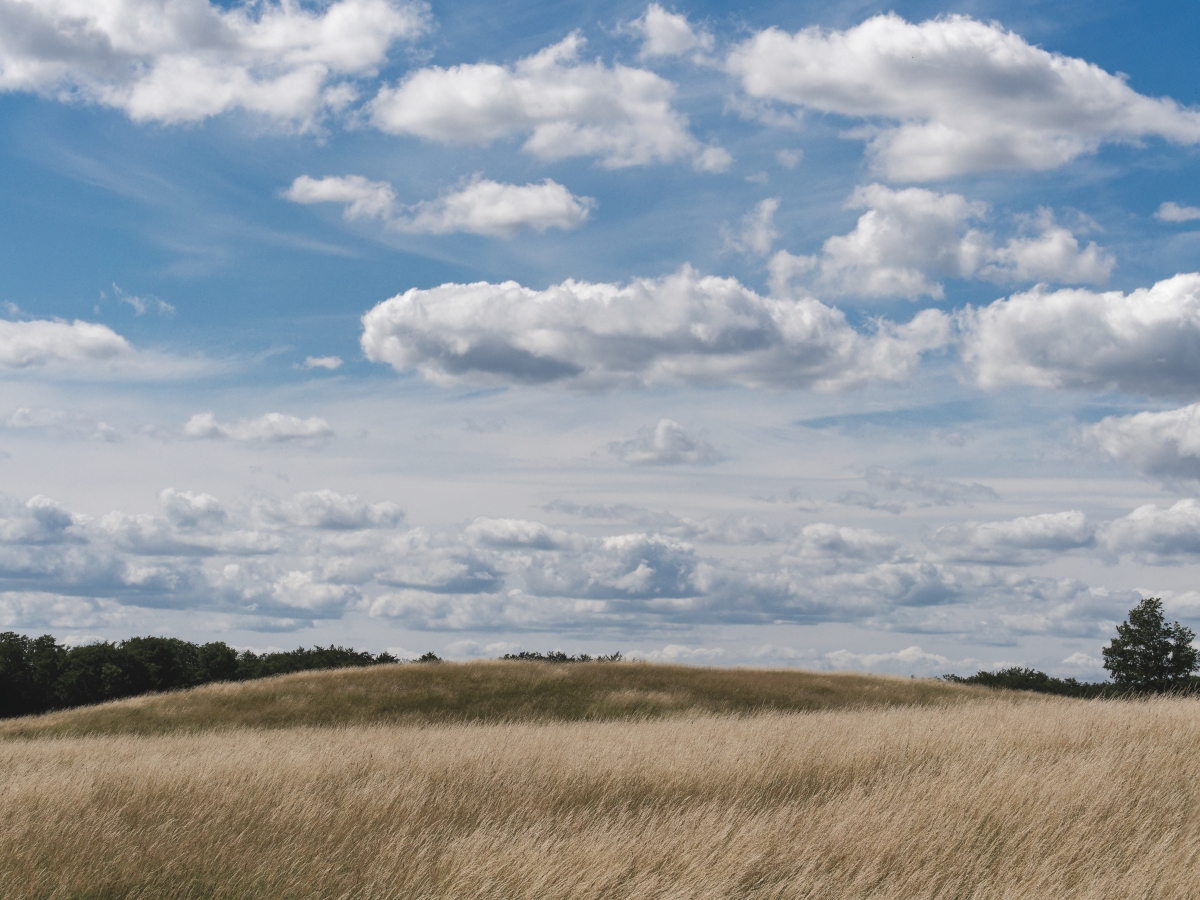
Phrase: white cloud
pixel 1173 212
pixel 187 510
pixel 1144 341
pixel 1163 444
pixel 789 159
pixel 1157 534
pixel 272 427
pixel 323 362
pixel 965 96
pixel 758 232
pixel 487 207
pixel 479 206
pixel 187 60
pixel 364 199
pixel 141 305
pixel 666 444
pixel 1084 661
pixel 822 540
pixel 681 653
pixel 908 240
pixel 668 34
pixel 680 328
pixel 36 343
pixel 1053 254
pixel 621 115
pixel 910 659
pixel 1017 540
pixel 328 510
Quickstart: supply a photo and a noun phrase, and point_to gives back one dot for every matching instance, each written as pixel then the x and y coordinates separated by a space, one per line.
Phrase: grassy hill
pixel 492 691
pixel 516 780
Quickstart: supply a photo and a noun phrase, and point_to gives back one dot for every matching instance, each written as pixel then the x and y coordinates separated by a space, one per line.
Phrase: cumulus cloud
pixel 1144 341
pixel 680 328
pixel 908 240
pixel 38 342
pixel 681 653
pixel 188 510
pixel 1163 444
pixel 621 115
pixel 1156 534
pixel 479 206
pixel 272 427
pixel 958 95
pixel 363 199
pixel 328 510
pixel 666 444
pixel 1173 212
pixel 668 34
pixel 187 60
pixel 1017 540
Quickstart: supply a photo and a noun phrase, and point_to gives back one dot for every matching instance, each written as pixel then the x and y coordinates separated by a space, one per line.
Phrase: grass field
pixel 436 782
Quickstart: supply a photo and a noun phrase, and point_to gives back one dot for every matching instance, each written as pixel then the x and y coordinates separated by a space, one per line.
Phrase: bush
pixel 557 656
pixel 1017 678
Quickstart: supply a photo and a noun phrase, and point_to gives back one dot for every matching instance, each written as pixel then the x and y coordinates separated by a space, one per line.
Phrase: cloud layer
pixel 278 563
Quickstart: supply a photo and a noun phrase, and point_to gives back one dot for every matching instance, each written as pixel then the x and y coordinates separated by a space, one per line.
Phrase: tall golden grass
pixel 996 796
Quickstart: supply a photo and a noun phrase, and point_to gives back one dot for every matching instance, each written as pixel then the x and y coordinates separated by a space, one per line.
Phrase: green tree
pixel 1148 654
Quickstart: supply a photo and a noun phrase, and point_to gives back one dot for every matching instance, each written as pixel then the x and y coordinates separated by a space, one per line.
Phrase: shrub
pixel 557 656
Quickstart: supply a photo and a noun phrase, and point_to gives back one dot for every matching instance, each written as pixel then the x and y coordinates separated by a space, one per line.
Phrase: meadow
pixel 606 780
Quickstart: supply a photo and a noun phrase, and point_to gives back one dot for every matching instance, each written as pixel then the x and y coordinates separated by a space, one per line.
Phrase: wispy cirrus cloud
pixel 476 206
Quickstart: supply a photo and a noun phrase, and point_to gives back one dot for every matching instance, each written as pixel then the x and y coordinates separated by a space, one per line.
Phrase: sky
pixel 834 335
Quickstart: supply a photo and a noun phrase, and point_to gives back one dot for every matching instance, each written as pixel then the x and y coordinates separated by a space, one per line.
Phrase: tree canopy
pixel 1148 654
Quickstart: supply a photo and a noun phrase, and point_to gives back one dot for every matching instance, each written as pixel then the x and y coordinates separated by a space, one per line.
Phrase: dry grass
pixel 1000 796
pixel 487 692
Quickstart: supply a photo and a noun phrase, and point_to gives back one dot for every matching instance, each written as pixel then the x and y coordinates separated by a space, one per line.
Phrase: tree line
pixel 40 675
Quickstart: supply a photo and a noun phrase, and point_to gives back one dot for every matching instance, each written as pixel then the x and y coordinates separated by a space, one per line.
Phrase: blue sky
pixel 833 335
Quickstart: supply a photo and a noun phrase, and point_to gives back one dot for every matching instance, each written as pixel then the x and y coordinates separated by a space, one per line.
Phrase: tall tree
pixel 1148 654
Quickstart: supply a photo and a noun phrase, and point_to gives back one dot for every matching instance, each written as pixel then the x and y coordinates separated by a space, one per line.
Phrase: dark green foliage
pixel 429 657
pixel 1020 679
pixel 1148 654
pixel 557 656
pixel 38 674
pixel 251 665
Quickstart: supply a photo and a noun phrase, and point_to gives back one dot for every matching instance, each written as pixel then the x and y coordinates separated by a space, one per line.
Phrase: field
pixel 509 780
